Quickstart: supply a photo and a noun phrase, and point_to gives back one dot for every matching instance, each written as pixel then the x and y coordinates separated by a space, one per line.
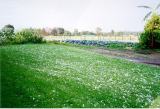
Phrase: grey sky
pixel 120 15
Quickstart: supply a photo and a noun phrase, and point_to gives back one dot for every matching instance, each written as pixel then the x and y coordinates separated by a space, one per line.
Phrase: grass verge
pixel 52 75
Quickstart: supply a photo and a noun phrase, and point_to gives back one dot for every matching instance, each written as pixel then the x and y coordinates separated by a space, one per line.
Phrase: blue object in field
pixel 98 43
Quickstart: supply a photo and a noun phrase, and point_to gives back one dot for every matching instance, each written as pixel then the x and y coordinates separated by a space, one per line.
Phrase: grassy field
pixel 50 75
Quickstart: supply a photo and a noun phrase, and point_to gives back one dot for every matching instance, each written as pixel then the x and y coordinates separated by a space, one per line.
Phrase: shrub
pixel 144 39
pixel 28 36
pixel 148 38
pixel 157 38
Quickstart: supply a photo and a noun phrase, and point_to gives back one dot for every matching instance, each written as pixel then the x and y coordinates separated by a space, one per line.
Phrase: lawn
pixel 52 75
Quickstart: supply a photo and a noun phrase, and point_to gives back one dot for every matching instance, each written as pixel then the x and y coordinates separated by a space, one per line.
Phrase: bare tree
pixel 54 32
pixel 60 31
pixel 98 31
pixel 151 10
pixel 75 32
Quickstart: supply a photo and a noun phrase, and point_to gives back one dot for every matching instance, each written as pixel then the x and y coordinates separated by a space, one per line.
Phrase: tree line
pixel 59 31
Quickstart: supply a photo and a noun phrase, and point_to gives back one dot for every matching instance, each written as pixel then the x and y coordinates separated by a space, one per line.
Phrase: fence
pixel 130 38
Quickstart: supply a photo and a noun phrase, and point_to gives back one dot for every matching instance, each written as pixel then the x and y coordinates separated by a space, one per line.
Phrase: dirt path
pixel 149 58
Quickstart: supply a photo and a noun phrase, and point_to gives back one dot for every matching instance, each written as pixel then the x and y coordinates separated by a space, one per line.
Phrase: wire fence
pixel 129 38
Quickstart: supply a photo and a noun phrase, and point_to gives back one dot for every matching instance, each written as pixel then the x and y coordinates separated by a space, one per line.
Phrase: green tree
pixel 151 36
pixel 8 30
pixel 153 23
pixel 6 34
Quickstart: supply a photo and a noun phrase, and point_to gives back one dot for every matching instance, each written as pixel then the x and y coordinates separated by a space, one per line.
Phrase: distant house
pixel 88 35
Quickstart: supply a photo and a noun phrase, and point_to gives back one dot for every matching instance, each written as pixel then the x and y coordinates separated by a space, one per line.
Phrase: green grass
pixel 155 103
pixel 52 75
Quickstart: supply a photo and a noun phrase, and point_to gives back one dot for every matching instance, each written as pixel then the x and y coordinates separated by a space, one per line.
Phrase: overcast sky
pixel 120 15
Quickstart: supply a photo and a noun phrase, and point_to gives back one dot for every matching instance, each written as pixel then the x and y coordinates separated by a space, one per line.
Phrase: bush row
pixel 110 44
pixel 28 36
pixel 21 37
